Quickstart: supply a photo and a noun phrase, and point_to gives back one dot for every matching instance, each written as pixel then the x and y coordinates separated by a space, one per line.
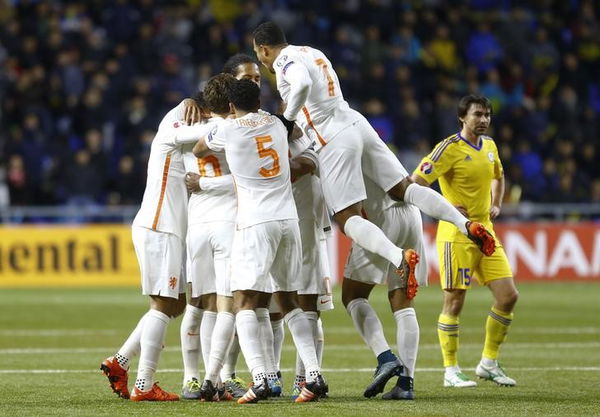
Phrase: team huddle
pixel 237 212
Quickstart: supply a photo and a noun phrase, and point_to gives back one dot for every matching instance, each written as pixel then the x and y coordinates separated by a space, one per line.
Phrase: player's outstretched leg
pixel 406 270
pixel 481 237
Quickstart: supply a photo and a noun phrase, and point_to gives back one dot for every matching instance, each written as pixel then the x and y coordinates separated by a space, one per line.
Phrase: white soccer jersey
pixel 164 205
pixel 257 152
pixel 216 203
pixel 299 64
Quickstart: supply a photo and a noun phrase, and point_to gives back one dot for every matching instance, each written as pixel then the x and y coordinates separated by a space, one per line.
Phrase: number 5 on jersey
pixel 267 153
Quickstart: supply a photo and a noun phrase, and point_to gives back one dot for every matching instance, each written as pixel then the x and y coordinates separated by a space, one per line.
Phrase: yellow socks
pixel 448 335
pixel 496 328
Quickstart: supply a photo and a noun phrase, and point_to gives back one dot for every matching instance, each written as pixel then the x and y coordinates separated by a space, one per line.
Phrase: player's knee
pixel 510 299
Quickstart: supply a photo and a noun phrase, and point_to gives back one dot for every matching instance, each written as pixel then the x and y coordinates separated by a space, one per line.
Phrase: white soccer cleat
pixel 458 380
pixel 494 373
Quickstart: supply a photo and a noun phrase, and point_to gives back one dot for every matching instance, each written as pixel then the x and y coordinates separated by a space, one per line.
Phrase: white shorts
pixel 160 256
pixel 356 152
pixel 208 254
pixel 267 257
pixel 404 227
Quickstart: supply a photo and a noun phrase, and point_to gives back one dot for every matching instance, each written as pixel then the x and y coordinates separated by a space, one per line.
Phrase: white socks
pixel 407 338
pixel 222 337
pixel 320 341
pixel 371 238
pixel 266 338
pixel 368 325
pixel 131 347
pixel 190 342
pixel 313 320
pixel 231 359
pixel 206 330
pixel 151 343
pixel 278 337
pixel 434 205
pixel 248 331
pixel 304 340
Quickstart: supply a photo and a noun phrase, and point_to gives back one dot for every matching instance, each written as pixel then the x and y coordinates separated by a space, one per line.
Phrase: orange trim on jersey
pixel 311 124
pixel 330 84
pixel 163 188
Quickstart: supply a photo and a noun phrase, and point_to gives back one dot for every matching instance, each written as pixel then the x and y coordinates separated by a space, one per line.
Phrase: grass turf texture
pixel 553 351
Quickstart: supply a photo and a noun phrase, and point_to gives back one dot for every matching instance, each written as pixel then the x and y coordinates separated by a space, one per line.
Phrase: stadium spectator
pixel 70 67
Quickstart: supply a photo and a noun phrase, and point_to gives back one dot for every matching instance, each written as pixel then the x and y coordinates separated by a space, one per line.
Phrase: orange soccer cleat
pixel 117 376
pixel 406 270
pixel 482 238
pixel 155 394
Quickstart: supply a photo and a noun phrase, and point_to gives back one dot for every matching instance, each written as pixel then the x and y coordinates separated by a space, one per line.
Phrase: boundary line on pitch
pixel 343 347
pixel 343 370
pixel 330 329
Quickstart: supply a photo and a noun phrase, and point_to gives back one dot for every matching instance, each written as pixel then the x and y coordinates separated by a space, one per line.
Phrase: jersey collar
pixel 478 147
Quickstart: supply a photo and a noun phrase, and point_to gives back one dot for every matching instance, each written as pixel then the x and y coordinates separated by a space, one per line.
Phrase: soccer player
pixel 469 171
pixel 266 251
pixel 348 148
pixel 158 233
pixel 241 66
pixel 211 222
pixel 402 224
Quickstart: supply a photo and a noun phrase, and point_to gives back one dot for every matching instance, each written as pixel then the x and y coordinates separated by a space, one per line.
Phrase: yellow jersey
pixel 465 173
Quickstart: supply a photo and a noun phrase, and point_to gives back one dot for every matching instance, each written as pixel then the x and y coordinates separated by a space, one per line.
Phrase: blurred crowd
pixel 84 84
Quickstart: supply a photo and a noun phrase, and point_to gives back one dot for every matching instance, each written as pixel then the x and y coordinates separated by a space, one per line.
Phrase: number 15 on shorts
pixel 465 276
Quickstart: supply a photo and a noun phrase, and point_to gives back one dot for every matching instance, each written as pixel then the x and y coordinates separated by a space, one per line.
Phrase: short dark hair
pixel 245 95
pixel 217 91
pixel 199 100
pixel 465 103
pixel 232 64
pixel 269 33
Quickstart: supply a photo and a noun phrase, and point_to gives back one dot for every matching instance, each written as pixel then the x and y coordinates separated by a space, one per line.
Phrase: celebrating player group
pixel 236 213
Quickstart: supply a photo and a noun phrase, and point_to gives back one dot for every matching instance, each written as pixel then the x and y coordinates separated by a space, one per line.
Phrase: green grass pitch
pixel 53 340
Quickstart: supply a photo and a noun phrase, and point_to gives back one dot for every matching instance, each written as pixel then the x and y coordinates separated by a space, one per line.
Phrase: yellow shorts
pixel 460 262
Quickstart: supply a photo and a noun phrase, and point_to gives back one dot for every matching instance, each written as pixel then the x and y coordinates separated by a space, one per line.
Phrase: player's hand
pixel 192 182
pixel 191 113
pixel 289 124
pixel 494 212
pixel 463 211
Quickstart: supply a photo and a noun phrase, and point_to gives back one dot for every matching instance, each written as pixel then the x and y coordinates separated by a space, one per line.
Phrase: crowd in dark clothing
pixel 84 84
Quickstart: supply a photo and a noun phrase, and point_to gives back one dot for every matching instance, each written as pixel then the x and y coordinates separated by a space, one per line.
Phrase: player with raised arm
pixel 348 147
pixel 471 177
pixel 211 222
pixel 402 224
pixel 266 251
pixel 158 233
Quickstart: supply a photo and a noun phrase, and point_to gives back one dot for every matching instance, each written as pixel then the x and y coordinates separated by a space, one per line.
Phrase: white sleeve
pixel 215 140
pixel 298 77
pixel 175 114
pixel 222 183
pixel 190 134
pixel 297 146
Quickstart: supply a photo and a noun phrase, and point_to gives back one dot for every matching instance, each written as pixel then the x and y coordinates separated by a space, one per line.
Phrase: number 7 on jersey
pixel 265 153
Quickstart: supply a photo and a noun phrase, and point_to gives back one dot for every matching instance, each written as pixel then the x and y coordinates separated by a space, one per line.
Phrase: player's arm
pixel 497 196
pixel 195 183
pixel 211 142
pixel 298 77
pixel 420 180
pixel 190 134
